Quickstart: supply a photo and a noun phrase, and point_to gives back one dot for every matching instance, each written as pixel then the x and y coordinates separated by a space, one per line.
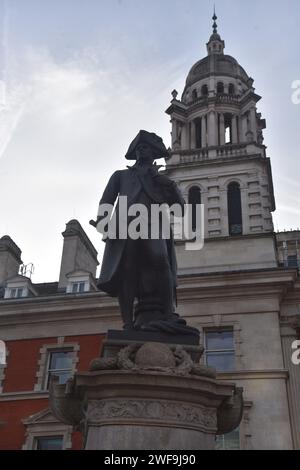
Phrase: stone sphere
pixel 155 355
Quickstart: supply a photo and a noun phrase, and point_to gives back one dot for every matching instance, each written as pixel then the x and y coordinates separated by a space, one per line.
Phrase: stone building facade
pixel 242 289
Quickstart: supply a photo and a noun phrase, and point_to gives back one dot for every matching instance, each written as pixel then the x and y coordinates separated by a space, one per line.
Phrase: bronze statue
pixel 143 269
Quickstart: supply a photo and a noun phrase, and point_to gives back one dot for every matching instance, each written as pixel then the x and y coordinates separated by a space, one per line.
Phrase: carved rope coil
pixel 125 360
pixel 103 363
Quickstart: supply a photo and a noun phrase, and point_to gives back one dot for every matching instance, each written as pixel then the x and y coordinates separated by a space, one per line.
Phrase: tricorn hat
pixel 152 140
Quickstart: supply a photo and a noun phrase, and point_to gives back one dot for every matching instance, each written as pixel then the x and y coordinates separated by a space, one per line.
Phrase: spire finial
pixel 215 26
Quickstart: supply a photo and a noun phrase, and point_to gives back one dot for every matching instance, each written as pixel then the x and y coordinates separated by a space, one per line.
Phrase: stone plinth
pixel 148 397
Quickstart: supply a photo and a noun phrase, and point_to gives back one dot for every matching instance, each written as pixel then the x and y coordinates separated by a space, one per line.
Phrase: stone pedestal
pixel 146 397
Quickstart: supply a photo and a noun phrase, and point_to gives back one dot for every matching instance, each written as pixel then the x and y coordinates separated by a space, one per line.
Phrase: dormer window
pixel 78 287
pixel 80 281
pixel 19 287
pixel 15 293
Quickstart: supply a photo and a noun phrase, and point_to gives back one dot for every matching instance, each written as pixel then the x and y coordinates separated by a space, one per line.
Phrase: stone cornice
pixel 231 376
pixel 254 374
pixel 17 396
pixel 228 238
pixel 53 309
pixel 262 281
pixel 216 160
pixel 97 306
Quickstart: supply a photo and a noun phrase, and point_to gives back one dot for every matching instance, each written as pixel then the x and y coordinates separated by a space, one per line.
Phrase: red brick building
pixel 52 328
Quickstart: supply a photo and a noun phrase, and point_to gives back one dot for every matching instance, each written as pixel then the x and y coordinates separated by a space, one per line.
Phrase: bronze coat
pixel 129 183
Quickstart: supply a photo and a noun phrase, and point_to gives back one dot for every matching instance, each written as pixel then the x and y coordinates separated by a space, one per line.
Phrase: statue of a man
pixel 143 270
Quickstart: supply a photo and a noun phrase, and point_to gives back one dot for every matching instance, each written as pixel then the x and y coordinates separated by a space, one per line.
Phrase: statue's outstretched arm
pixel 112 189
pixel 110 194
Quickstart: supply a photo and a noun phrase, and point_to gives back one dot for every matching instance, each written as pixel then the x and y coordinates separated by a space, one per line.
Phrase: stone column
pixel 234 129
pixel 174 131
pixel 222 129
pixel 193 135
pixel 212 128
pixel 203 131
pixel 253 122
pixel 239 129
pixel 245 126
pixel 184 136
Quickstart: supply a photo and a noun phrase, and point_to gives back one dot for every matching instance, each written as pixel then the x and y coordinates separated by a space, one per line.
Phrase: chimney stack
pixel 78 253
pixel 10 258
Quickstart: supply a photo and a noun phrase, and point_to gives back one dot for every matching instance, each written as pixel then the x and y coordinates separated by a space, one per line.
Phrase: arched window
pixel 194 198
pixel 220 87
pixel 231 89
pixel 194 95
pixel 228 128
pixel 204 90
pixel 234 209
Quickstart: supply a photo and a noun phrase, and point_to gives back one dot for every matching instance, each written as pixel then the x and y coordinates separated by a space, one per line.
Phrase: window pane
pixel 13 293
pixel 219 340
pixel 234 209
pixel 221 361
pixel 74 287
pixel 19 292
pixel 230 441
pixel 81 287
pixel 292 261
pixel 63 376
pixel 61 360
pixel 49 443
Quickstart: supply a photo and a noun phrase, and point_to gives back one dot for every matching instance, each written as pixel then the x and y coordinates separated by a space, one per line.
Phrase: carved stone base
pixel 148 396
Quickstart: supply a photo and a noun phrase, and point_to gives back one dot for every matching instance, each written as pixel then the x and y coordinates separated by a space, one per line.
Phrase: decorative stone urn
pixel 148 396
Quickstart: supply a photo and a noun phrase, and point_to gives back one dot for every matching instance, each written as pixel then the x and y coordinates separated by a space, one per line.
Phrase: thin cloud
pixel 78 118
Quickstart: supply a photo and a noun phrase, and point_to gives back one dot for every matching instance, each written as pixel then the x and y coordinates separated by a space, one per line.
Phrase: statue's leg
pixel 156 261
pixel 127 285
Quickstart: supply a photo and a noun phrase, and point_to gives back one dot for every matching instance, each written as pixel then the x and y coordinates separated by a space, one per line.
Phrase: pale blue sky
pixel 82 77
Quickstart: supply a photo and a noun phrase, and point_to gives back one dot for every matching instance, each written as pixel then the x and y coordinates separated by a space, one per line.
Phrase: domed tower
pixel 218 158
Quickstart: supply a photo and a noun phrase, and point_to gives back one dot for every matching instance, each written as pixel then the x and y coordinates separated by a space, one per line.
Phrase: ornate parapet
pixel 149 396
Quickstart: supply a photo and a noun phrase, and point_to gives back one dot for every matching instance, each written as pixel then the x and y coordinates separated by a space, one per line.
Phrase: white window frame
pixel 231 350
pixel 78 284
pixel 16 292
pixel 18 287
pixel 42 373
pixel 78 277
pixel 48 370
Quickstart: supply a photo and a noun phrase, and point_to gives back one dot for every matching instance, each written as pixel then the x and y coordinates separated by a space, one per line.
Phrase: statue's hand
pixel 95 223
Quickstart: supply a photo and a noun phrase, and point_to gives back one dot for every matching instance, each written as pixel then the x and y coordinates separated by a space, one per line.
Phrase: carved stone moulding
pixel 151 413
